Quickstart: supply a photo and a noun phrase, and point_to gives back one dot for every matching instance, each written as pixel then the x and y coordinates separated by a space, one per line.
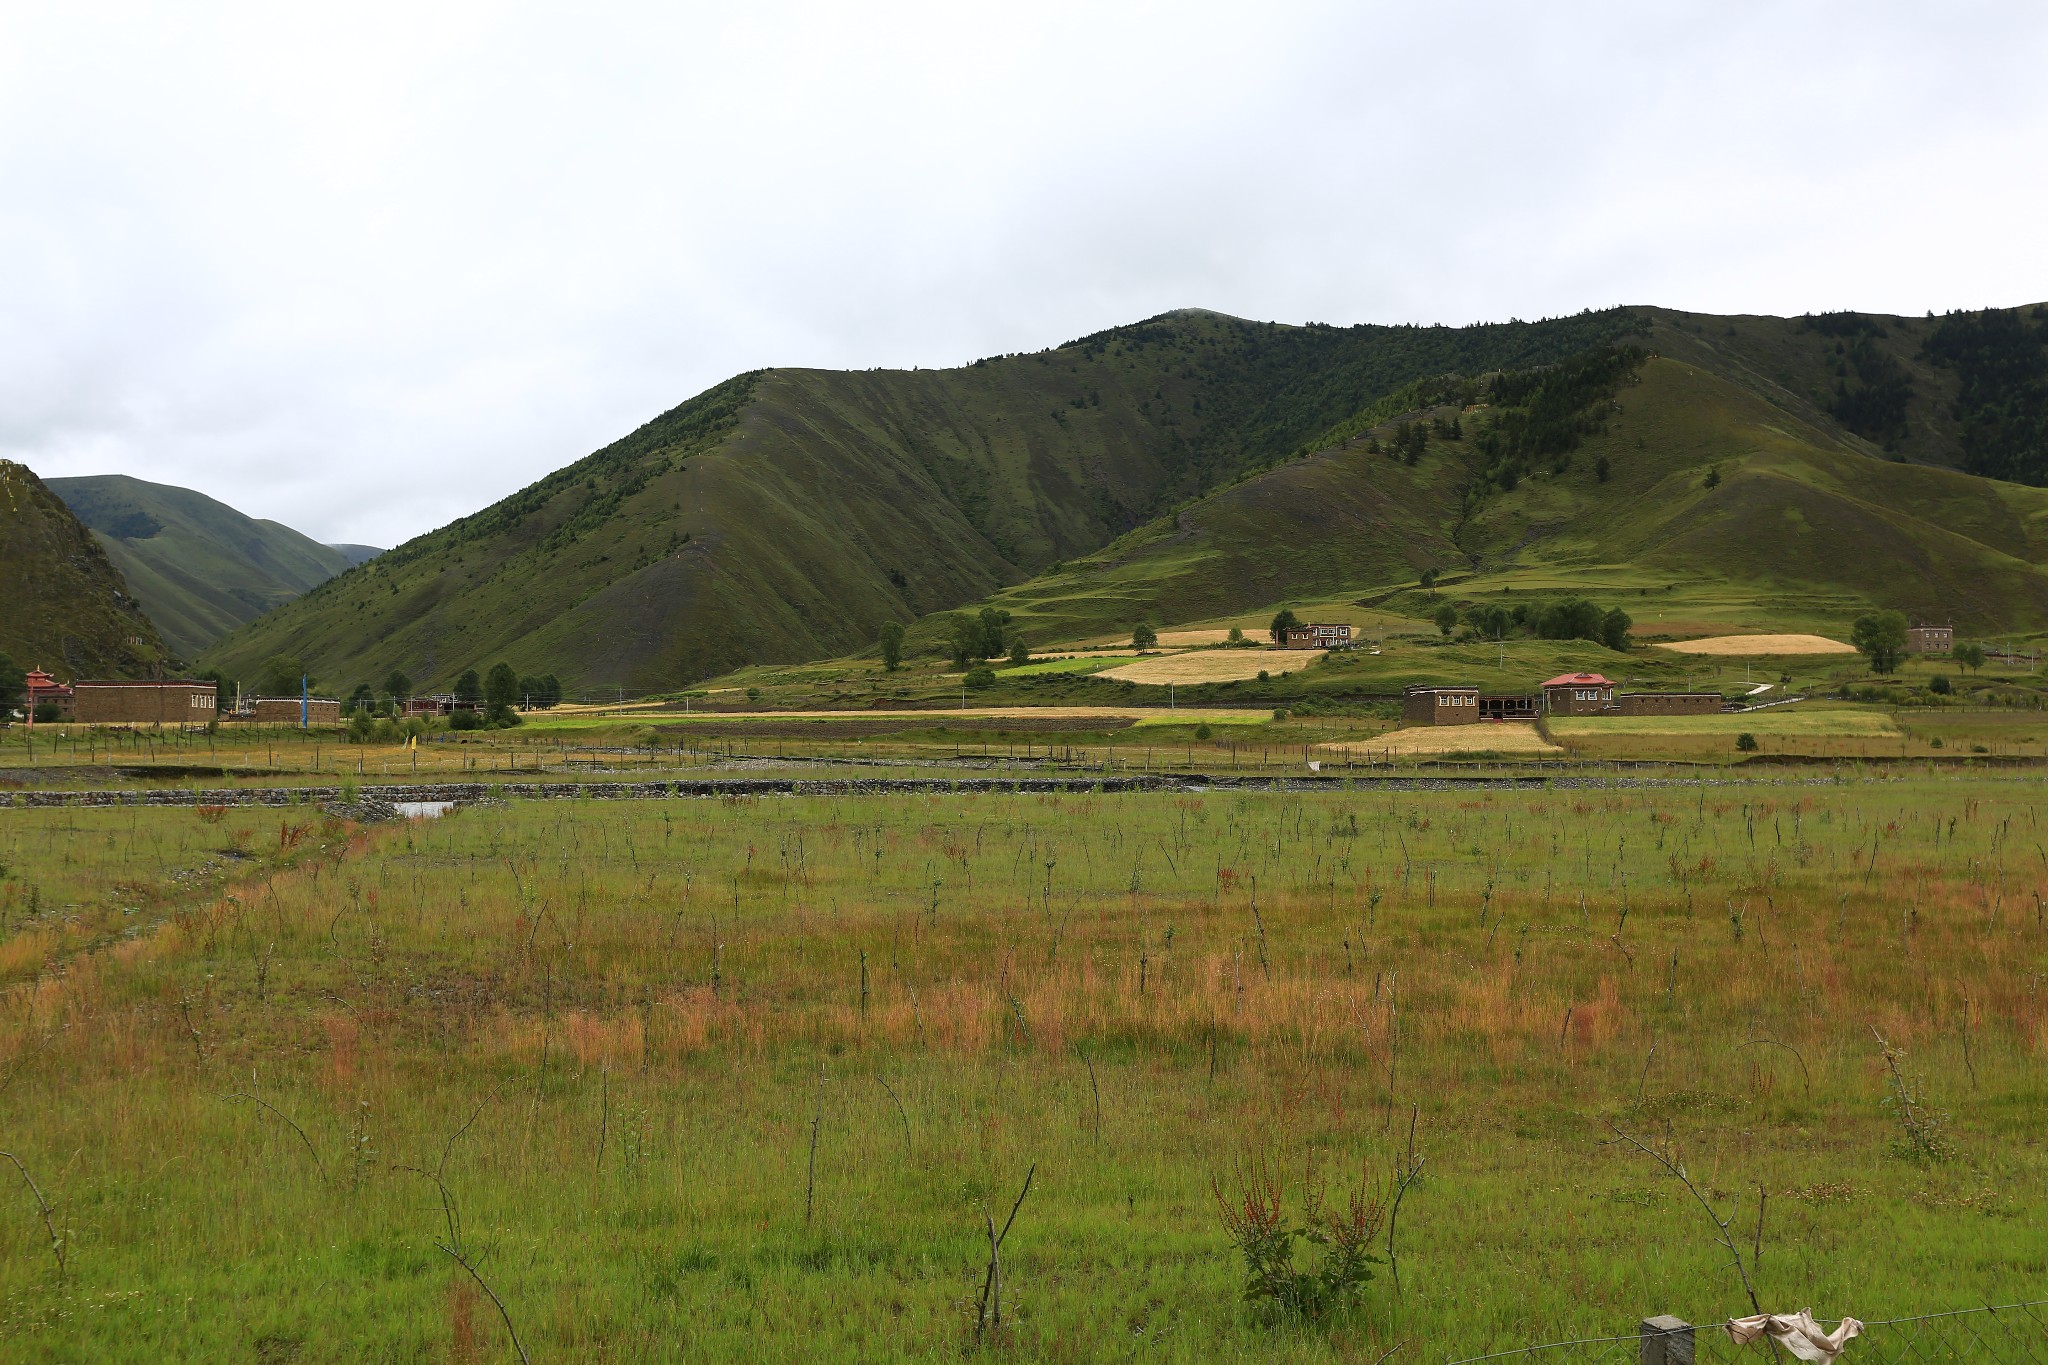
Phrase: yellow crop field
pixel 1496 737
pixel 1213 665
pixel 1760 644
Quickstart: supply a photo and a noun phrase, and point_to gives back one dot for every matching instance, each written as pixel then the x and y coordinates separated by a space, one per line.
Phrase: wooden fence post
pixel 1666 1340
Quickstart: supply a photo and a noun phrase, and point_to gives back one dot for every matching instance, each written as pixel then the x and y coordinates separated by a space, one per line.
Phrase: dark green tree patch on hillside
pixel 1542 414
pixel 2001 360
pixel 1876 408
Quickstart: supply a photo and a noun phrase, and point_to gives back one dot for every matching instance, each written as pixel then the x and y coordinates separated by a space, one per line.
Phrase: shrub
pixel 1144 637
pixel 1746 742
pixel 465 720
pixel 979 678
pixel 1262 675
pixel 1203 731
pixel 1254 1217
pixel 892 644
pixel 1939 685
pixel 1236 636
pixel 1446 618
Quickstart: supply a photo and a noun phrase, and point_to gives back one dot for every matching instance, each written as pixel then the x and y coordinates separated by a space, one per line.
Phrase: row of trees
pixel 501 692
pixel 1572 618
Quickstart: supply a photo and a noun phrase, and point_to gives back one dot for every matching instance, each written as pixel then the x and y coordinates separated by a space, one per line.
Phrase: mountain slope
pixel 67 609
pixel 199 567
pixel 786 514
pixel 1691 475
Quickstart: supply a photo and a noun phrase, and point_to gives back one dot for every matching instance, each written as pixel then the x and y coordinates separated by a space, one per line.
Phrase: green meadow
pixel 748 1079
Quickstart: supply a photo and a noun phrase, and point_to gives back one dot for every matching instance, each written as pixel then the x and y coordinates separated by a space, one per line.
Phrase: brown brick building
pixel 1578 694
pixel 1318 637
pixel 1672 703
pixel 1425 705
pixel 142 703
pixel 285 711
pixel 1930 639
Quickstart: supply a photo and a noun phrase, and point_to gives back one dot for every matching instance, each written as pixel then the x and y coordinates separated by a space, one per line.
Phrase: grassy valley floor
pixel 737 1080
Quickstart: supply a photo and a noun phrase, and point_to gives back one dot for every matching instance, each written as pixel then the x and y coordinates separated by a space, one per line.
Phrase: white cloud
pixel 366 270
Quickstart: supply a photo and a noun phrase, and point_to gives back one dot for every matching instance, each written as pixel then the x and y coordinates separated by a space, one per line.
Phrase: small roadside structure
pixel 1322 635
pixel 44 690
pixel 1672 703
pixel 1930 639
pixel 1578 694
pixel 1424 704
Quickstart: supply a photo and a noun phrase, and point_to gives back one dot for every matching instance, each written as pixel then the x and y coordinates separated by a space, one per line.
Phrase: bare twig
pixel 1721 1224
pixel 460 1255
pixel 42 1205
pixel 1094 1090
pixel 289 1122
pixel 900 1113
pixel 1410 1172
pixel 1773 1042
pixel 992 1282
pixel 811 1174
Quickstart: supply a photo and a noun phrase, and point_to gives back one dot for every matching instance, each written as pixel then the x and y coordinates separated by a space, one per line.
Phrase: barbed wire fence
pixel 2003 1334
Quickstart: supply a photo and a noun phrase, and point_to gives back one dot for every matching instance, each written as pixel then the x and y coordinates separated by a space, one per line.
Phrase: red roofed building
pixel 44 690
pixel 1578 694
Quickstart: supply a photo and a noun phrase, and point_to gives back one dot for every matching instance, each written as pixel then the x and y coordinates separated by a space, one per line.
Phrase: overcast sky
pixel 365 269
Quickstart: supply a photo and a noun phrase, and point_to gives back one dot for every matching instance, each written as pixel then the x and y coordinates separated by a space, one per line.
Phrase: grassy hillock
pixel 67 608
pixel 787 514
pixel 199 567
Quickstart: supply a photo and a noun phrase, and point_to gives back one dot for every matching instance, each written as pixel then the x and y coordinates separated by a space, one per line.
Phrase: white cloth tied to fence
pixel 1796 1332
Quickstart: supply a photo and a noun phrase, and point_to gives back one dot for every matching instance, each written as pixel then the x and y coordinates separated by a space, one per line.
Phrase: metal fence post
pixel 1666 1340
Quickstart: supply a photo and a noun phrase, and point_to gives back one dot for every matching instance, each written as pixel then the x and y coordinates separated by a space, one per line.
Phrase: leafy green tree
pixel 1020 653
pixel 1144 637
pixel 1574 618
pixel 282 676
pixel 363 699
pixel 1283 623
pixel 1493 622
pixel 550 691
pixel 1969 654
pixel 979 678
pixel 13 682
pixel 1236 636
pixel 1713 479
pixel 1614 628
pixel 995 623
pixel 397 686
pixel 1446 618
pixel 1603 468
pixel 969 643
pixel 469 687
pixel 501 691
pixel 892 645
pixel 530 692
pixel 1746 742
pixel 1939 685
pixel 1880 637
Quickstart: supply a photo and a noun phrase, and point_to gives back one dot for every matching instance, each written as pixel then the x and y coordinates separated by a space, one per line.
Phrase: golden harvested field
pixel 1761 644
pixel 1788 721
pixel 1495 737
pixel 1214 665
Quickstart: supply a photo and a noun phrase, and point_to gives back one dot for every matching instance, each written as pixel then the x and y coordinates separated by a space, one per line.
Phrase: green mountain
pixel 1189 465
pixel 1680 475
pixel 199 567
pixel 67 608
pixel 356 554
pixel 786 514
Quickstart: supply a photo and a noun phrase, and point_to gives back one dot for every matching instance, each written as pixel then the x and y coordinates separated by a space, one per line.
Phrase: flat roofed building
pixel 1428 705
pixel 1319 636
pixel 1930 639
pixel 178 702
pixel 285 711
